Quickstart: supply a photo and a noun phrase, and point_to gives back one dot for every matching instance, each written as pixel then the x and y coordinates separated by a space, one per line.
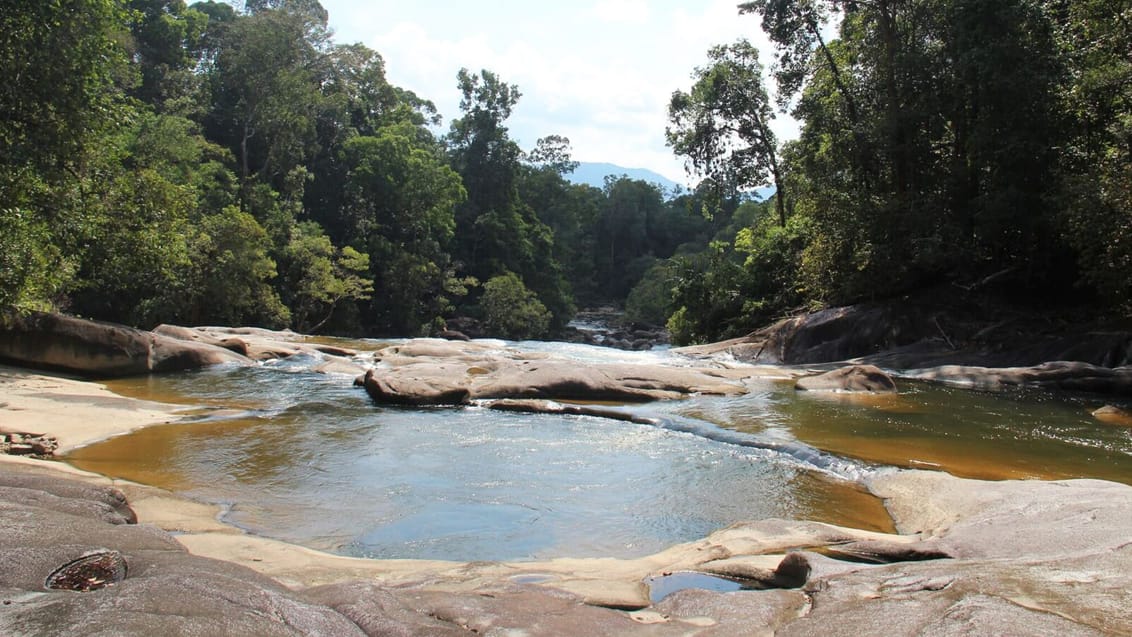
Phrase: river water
pixel 308 458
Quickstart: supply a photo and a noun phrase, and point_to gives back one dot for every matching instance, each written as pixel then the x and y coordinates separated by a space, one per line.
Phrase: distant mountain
pixel 594 174
pixel 764 193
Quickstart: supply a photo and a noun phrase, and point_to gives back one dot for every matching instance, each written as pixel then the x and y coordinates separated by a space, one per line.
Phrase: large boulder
pixel 854 378
pixel 435 372
pixel 100 350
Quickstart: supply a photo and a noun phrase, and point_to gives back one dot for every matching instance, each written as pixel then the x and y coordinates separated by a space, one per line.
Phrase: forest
pixel 162 162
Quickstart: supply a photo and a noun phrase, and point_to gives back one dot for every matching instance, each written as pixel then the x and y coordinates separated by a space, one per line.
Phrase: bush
pixel 510 310
pixel 650 300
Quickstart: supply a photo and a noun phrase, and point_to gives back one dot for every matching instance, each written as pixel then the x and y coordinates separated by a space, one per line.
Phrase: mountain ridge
pixel 594 174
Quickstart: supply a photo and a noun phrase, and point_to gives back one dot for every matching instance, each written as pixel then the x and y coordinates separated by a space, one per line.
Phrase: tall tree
pixel 496 231
pixel 65 71
pixel 723 125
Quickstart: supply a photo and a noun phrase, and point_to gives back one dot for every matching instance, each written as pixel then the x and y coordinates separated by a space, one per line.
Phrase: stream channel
pixel 308 458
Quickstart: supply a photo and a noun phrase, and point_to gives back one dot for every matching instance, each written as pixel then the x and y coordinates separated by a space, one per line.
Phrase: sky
pixel 599 72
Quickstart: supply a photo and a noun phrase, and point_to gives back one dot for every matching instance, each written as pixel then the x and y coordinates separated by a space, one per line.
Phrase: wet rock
pixel 1113 416
pixel 385 389
pixel 552 407
pixel 333 350
pixel 854 378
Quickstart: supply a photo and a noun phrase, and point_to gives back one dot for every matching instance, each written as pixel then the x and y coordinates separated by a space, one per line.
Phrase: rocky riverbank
pixel 82 553
pixel 85 554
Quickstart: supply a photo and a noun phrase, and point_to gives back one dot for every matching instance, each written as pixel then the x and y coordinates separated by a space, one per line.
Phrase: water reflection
pixel 311 460
pixel 471 483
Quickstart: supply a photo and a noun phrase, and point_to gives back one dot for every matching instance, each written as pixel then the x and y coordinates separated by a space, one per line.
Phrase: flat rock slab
pixel 430 372
pixel 157 588
pixel 1064 375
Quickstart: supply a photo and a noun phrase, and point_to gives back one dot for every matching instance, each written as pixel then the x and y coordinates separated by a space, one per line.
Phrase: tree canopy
pixel 170 162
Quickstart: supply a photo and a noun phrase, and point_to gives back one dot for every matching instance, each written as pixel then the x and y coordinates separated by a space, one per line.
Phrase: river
pixel 308 458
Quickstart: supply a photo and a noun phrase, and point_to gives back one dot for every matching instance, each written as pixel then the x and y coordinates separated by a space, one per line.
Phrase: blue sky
pixel 598 72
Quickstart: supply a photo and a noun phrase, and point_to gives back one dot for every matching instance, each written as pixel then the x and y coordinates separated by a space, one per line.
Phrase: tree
pixel 1095 40
pixel 265 86
pixel 496 231
pixel 553 153
pixel 511 310
pixel 723 125
pixel 318 277
pixel 166 35
pixel 64 70
pixel 398 201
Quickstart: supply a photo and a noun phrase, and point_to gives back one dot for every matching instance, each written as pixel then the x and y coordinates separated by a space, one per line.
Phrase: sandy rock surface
pixel 432 372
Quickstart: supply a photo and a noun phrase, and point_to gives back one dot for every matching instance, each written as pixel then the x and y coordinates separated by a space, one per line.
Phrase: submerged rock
pixel 1114 416
pixel 855 378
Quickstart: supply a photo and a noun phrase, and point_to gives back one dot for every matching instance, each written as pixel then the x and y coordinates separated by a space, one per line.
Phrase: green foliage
pixel 232 274
pixel 707 295
pixel 318 276
pixel 512 311
pixel 33 271
pixel 162 162
pixel 1096 204
pixel 723 125
pixel 496 230
pixel 650 300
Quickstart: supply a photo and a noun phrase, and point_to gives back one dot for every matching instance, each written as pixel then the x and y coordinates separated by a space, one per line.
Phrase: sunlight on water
pixel 308 458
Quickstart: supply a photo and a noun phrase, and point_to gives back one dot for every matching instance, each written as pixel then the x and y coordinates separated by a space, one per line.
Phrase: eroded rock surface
pixel 853 378
pixel 432 372
pixel 976 557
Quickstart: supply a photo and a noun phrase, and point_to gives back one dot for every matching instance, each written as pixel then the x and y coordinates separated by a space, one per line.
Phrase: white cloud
pixel 625 11
pixel 604 83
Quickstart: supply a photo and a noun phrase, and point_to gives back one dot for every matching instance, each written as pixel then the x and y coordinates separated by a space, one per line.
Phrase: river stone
pixel 385 389
pixel 1114 416
pixel 854 378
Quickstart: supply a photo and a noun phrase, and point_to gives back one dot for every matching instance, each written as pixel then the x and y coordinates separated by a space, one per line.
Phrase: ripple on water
pixel 320 465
